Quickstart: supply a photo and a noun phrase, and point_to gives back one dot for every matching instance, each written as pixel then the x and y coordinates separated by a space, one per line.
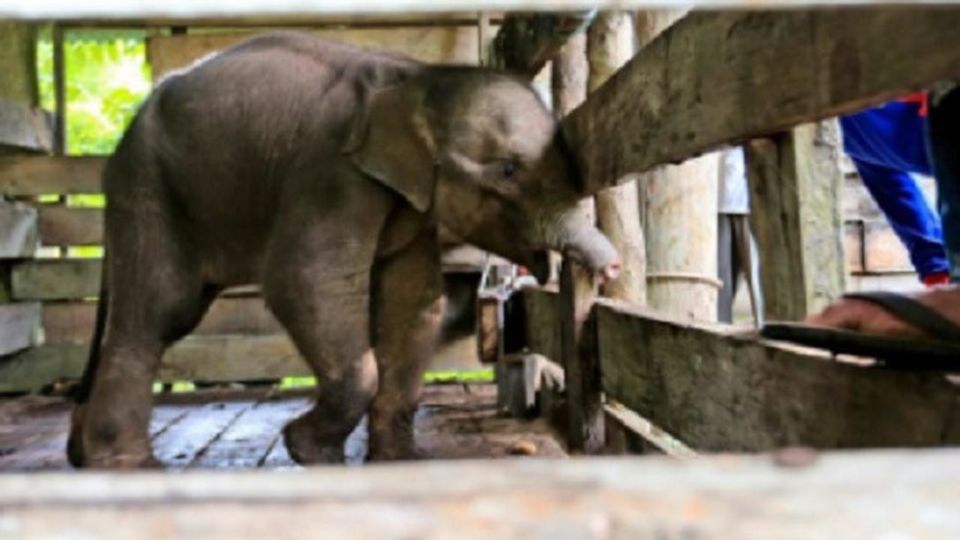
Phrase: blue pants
pixel 887 143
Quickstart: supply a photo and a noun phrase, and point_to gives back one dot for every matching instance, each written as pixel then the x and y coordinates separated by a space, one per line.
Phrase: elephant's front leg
pixel 408 309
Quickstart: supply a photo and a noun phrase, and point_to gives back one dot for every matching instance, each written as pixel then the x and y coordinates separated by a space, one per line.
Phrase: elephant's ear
pixel 390 141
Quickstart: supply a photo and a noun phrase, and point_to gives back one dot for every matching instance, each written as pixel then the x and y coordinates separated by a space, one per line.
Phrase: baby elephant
pixel 320 172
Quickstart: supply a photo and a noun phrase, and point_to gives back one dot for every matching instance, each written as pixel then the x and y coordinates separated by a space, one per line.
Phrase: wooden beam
pixel 717 391
pixel 72 322
pixel 19 237
pixel 890 494
pixel 19 326
pixel 293 10
pixel 526 42
pixel 434 44
pixel 56 279
pixel 719 78
pixel 18 62
pixel 42 175
pixel 66 226
pixel 638 435
pixel 24 127
pixel 796 193
pixel 578 290
pixel 201 358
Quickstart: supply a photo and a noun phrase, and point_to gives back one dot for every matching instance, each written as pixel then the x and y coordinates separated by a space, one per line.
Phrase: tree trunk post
pixel 610 45
pixel 680 213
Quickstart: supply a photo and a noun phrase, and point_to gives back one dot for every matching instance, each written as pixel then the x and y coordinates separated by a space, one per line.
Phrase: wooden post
pixel 525 43
pixel 610 45
pixel 60 92
pixel 578 350
pixel 796 203
pixel 680 220
pixel 577 286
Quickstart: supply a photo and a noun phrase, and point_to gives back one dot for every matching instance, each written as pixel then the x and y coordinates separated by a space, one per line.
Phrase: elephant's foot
pixel 393 439
pixel 387 452
pixel 105 455
pixel 306 447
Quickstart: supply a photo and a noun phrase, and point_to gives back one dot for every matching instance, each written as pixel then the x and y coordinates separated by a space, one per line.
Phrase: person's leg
pixel 905 208
pixel 944 125
pixel 944 145
pixel 726 269
pixel 746 249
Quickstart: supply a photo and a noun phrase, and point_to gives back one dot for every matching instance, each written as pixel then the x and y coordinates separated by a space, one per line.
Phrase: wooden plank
pixel 72 322
pixel 892 494
pixel 540 307
pixel 796 195
pixel 184 442
pixel 24 127
pixel 720 392
pixel 19 326
pixel 883 251
pixel 873 248
pixel 60 279
pixel 278 458
pixel 648 435
pixel 206 358
pixel 578 290
pixel 859 204
pixel 164 416
pixel 719 78
pixel 853 245
pixel 247 442
pixel 433 44
pixel 65 226
pixel 41 175
pixel 33 433
pixel 291 11
pixel 18 230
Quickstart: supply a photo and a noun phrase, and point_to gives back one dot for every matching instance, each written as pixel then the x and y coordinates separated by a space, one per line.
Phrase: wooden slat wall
pixel 40 175
pixel 66 323
pixel 872 247
pixel 433 44
pixel 716 391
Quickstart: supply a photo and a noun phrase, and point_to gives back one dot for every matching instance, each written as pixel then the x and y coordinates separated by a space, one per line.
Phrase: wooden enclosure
pixel 632 380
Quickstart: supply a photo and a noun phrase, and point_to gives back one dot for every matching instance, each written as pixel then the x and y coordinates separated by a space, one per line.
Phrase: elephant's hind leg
pixel 155 296
pixel 327 316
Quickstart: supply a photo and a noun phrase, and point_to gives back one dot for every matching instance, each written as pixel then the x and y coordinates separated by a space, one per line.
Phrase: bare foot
pixel 870 318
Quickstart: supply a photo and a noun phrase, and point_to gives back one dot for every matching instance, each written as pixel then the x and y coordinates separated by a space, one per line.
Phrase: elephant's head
pixel 481 151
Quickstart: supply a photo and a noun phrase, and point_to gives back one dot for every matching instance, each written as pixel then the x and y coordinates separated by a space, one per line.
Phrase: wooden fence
pixel 665 105
pixel 715 79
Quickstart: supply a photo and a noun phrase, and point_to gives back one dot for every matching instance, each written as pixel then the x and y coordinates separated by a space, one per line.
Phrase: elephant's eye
pixel 508 168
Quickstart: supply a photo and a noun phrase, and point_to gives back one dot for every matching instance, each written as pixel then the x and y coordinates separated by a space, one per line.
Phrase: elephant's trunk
pixel 574 235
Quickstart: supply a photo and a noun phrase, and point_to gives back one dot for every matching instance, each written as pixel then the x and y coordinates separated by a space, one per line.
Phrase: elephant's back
pixel 228 135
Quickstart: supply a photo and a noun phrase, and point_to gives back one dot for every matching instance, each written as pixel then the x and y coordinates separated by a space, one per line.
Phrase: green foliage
pixel 107 79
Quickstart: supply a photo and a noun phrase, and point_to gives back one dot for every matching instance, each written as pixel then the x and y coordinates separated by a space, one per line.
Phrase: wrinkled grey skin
pixel 322 173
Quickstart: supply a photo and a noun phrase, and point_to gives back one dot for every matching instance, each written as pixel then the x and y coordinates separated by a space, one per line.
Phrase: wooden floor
pixel 215 429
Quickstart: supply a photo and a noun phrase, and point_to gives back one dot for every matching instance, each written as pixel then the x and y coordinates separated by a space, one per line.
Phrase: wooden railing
pixel 722 78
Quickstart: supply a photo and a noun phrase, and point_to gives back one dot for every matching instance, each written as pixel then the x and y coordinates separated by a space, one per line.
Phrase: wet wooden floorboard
pixel 242 429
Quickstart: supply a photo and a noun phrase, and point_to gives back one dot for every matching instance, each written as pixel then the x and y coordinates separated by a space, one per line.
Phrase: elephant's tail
pixel 82 391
